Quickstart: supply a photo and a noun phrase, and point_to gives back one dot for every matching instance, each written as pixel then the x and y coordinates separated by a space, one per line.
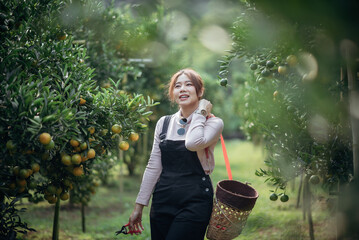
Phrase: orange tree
pixel 294 97
pixel 56 124
pixel 116 38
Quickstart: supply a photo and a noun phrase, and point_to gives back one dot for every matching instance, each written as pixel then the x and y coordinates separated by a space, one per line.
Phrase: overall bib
pixel 183 197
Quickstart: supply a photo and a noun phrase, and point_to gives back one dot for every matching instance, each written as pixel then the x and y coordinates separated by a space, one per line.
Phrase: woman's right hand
pixel 205 107
pixel 136 219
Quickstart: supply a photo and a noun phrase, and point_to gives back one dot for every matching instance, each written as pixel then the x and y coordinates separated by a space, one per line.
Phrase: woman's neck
pixel 186 111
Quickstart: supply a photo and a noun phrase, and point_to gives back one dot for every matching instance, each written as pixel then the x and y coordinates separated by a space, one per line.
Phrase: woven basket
pixel 233 203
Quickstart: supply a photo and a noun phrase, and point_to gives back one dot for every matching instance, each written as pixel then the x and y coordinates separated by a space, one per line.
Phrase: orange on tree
pixel 91 153
pixel 21 189
pixel 51 199
pixel 134 136
pixel 275 93
pixel 84 158
pixel 61 36
pixel 76 159
pixel 51 189
pixel 66 160
pixel 74 143
pixel 83 146
pixel 282 70
pixel 10 145
pixel 91 130
pixel 16 170
pixel 292 60
pixel 82 102
pixel 77 149
pixel 50 146
pixel 24 173
pixel 78 171
pixel 21 182
pixel 64 196
pixel 106 85
pixel 45 138
pixel 116 128
pixel 12 185
pixel 58 191
pixel 123 145
pixel 35 167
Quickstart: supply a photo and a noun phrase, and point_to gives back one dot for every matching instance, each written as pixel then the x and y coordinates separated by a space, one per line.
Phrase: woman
pixel 181 160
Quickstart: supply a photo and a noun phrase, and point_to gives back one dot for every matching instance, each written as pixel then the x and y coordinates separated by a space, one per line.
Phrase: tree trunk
pixel 55 227
pixel 83 217
pixel 351 211
pixel 307 206
pixel 300 190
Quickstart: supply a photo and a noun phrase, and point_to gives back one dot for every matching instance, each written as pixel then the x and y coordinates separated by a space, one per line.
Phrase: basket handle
pixel 228 166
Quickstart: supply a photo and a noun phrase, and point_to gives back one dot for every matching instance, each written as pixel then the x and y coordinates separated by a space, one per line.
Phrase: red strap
pixel 228 167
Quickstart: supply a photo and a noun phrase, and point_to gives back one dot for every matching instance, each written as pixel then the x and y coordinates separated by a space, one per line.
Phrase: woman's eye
pixel 189 84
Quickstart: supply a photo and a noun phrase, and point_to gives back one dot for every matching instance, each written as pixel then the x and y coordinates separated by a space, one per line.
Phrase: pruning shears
pixel 125 231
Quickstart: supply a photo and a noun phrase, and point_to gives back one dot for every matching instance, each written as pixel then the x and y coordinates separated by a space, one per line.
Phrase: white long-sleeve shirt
pixel 200 133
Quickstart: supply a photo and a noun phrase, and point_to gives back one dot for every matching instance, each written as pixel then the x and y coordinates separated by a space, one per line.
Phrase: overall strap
pixel 165 127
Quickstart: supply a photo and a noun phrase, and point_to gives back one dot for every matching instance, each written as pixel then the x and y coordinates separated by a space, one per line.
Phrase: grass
pixel 109 209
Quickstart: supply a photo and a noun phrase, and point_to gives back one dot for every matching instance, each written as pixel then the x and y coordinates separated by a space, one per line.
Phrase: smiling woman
pixel 181 160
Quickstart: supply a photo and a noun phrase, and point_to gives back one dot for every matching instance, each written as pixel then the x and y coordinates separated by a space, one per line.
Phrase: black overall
pixel 183 197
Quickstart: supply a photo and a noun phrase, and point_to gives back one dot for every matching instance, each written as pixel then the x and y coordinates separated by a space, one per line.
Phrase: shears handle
pixel 125 231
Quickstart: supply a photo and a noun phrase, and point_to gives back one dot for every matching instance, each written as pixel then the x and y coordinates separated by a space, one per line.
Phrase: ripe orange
pixel 91 130
pixel 116 128
pixel 83 146
pixel 35 167
pixel 134 136
pixel 91 153
pixel 66 160
pixel 74 143
pixel 123 145
pixel 78 171
pixel 82 102
pixel 45 138
pixel 76 159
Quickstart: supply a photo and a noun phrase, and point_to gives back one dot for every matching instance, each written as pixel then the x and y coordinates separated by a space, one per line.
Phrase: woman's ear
pixel 200 94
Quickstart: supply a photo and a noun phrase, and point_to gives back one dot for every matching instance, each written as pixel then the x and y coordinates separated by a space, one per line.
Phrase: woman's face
pixel 184 92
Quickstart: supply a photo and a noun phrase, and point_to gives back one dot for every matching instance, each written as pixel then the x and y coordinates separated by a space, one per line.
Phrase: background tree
pixel 295 95
pixel 56 123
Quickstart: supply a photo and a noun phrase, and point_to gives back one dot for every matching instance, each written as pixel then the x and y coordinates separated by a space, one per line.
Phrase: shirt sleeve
pixel 153 168
pixel 203 132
